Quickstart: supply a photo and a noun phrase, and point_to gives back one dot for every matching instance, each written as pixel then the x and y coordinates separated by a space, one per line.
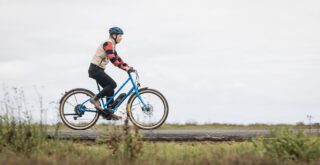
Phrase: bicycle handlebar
pixel 131 70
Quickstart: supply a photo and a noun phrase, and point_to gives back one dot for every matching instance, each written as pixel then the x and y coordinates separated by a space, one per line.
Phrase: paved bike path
pixel 173 135
pixel 170 135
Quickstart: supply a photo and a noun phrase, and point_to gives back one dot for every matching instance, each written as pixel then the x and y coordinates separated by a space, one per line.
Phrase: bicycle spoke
pixel 75 99
pixel 136 104
pixel 151 112
pixel 148 99
pixel 70 103
pixel 76 112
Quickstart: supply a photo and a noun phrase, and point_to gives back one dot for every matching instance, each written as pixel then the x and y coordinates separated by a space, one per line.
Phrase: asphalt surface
pixel 169 135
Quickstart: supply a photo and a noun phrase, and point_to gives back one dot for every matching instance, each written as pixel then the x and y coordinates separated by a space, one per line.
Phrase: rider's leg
pixel 105 81
pixel 108 85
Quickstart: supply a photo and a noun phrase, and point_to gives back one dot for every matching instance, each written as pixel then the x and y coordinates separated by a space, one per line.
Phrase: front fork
pixel 140 98
pixel 136 90
pixel 146 107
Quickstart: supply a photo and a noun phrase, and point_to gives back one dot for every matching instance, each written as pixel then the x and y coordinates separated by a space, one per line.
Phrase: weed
pixel 288 144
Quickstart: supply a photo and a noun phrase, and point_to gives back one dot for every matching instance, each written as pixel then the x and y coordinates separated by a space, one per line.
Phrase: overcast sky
pixel 231 61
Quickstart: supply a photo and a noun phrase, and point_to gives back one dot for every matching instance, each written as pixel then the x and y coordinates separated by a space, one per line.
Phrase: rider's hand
pixel 130 70
pixel 126 68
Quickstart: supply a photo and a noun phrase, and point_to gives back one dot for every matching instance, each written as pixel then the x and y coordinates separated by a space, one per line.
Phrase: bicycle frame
pixel 133 89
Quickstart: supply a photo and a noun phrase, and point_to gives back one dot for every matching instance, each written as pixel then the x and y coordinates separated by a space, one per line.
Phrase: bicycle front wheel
pixel 151 115
pixel 75 112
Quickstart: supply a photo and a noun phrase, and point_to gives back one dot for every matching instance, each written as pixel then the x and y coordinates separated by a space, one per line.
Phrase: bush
pixel 20 137
pixel 286 144
pixel 124 144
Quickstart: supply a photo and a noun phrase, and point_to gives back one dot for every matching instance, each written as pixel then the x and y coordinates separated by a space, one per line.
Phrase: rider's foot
pixel 95 101
pixel 108 115
pixel 111 116
pixel 114 117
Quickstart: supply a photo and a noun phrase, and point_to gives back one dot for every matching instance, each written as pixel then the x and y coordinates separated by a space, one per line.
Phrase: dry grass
pixel 24 142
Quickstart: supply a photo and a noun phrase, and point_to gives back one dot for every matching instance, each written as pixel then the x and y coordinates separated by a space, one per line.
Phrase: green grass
pixel 24 142
pixel 27 145
pixel 66 152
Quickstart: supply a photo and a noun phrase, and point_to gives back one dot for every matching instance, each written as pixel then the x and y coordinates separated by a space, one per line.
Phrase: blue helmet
pixel 115 30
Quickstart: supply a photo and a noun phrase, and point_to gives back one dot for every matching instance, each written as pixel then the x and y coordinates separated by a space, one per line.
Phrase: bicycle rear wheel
pixel 151 116
pixel 75 113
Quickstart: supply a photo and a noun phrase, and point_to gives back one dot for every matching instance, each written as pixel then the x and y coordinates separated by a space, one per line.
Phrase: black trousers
pixel 103 80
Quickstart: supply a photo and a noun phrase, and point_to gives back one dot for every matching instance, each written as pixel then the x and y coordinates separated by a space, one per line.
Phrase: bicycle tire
pixel 62 106
pixel 139 124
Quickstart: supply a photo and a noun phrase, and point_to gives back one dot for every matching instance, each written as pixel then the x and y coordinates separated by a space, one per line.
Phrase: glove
pixel 131 70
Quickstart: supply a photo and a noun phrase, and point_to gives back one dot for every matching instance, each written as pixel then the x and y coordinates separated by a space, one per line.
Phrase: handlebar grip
pixel 131 70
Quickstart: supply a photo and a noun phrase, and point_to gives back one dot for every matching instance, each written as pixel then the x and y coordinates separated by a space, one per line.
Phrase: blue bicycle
pixel 146 108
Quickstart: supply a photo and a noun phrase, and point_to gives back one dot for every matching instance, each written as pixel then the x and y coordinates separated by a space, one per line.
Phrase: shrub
pixel 124 143
pixel 286 144
pixel 19 137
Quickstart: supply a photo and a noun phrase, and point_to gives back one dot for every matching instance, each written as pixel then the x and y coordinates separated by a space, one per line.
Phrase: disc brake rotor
pixel 148 109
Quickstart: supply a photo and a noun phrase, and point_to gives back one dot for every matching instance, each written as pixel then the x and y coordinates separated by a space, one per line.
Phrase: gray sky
pixel 229 61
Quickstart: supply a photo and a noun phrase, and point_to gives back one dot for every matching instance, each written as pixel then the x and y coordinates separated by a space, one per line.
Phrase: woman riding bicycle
pixel 107 52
